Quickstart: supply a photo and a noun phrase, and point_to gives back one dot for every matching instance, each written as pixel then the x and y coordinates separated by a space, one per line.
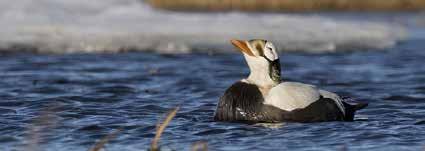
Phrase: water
pixel 67 102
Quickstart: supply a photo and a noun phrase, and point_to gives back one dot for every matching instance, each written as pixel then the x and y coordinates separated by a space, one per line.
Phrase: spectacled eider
pixel 263 97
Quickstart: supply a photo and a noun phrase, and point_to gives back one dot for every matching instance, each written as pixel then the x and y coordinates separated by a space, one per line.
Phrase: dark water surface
pixel 67 102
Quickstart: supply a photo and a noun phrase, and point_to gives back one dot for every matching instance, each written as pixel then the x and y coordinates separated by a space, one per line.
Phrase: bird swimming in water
pixel 264 97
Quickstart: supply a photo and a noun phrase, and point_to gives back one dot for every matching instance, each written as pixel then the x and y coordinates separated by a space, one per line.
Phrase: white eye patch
pixel 270 51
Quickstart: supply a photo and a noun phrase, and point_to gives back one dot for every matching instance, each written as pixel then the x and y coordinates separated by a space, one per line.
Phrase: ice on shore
pixel 69 26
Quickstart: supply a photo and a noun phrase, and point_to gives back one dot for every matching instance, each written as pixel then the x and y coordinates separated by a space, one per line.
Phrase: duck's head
pixel 262 59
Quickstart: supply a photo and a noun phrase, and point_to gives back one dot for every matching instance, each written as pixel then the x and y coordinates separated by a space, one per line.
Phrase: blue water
pixel 67 102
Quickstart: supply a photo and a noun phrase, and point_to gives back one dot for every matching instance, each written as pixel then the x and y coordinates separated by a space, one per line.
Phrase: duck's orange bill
pixel 243 46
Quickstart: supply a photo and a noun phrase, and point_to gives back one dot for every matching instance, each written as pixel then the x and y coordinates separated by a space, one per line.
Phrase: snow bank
pixel 65 26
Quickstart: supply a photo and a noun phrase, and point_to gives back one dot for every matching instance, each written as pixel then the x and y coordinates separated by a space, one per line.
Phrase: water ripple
pixel 90 96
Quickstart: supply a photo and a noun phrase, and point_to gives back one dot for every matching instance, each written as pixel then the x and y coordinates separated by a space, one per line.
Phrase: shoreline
pixel 288 5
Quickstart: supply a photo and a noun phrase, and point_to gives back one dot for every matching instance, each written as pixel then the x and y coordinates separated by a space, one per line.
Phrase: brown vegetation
pixel 47 121
pixel 154 145
pixel 161 127
pixel 289 5
pixel 101 143
pixel 200 146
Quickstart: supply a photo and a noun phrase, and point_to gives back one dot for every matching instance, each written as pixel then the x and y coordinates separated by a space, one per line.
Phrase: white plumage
pixel 292 95
pixel 289 96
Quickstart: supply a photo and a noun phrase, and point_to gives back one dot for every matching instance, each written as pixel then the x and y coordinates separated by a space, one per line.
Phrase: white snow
pixel 68 26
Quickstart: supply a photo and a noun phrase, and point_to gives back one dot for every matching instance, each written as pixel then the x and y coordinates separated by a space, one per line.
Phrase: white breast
pixel 292 95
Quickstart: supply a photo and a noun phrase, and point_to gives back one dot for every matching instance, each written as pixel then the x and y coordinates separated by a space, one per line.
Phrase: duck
pixel 264 97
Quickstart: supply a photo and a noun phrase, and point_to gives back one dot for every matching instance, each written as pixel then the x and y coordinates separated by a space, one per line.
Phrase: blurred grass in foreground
pixel 289 5
pixel 47 121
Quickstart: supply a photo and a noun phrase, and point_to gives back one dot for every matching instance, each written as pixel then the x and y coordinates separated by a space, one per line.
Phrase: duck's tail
pixel 351 108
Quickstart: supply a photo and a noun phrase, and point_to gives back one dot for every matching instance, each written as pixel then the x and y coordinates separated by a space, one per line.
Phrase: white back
pixel 289 96
pixel 292 95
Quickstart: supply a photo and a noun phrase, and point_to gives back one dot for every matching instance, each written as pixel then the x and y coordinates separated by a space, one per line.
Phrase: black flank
pixel 240 102
pixel 350 110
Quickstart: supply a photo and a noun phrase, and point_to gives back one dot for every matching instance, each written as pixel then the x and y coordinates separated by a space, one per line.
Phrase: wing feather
pixel 292 95
pixel 334 97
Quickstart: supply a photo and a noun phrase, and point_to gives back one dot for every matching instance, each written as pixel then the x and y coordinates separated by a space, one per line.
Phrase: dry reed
pixel 48 122
pixel 161 127
pixel 289 5
pixel 200 146
pixel 41 127
pixel 101 144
